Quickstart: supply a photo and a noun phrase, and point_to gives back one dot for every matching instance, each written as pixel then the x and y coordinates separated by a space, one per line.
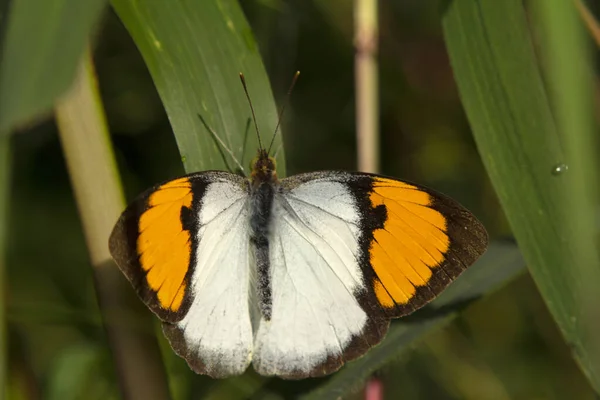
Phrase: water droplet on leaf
pixel 560 169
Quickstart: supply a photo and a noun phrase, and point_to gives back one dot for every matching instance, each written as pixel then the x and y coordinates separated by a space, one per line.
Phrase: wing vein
pixel 310 266
pixel 223 210
pixel 319 208
pixel 320 254
pixel 341 219
pixel 172 203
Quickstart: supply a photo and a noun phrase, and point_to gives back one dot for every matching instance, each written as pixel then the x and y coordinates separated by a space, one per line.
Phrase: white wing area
pixel 217 327
pixel 315 273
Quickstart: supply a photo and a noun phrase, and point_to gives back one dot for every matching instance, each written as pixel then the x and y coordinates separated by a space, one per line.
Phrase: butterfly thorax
pixel 262 169
pixel 264 180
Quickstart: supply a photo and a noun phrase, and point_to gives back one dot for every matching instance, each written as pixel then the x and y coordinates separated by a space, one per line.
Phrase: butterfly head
pixel 263 168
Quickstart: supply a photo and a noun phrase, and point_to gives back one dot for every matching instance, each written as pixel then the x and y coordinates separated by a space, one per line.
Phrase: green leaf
pixel 571 87
pixel 499 264
pixel 550 211
pixel 195 51
pixel 43 41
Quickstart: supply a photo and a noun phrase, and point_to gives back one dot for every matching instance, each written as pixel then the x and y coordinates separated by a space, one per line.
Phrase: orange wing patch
pixel 411 245
pixel 163 244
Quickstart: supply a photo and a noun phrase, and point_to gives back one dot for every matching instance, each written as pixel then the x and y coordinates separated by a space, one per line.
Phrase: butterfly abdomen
pixel 260 217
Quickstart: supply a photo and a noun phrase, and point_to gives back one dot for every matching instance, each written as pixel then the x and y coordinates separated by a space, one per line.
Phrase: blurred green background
pixel 505 346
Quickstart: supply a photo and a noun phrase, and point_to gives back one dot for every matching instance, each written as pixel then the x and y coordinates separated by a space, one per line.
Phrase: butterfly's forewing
pixel 349 251
pixel 184 246
pixel 427 240
pixel 152 246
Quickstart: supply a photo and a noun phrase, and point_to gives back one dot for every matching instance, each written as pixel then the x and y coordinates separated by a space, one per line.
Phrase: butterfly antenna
pixel 246 130
pixel 287 99
pixel 223 145
pixel 251 109
pixel 278 150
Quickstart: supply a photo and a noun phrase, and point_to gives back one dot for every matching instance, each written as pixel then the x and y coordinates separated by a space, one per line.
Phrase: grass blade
pixel 42 44
pixel 507 106
pixel 195 51
pixel 92 169
pixel 499 264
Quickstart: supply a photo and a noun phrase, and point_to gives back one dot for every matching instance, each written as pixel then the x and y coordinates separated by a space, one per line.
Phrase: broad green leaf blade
pixel 571 87
pixel 195 51
pixel 503 94
pixel 42 43
pixel 498 265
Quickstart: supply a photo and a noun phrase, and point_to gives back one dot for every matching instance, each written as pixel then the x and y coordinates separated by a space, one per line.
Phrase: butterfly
pixel 295 276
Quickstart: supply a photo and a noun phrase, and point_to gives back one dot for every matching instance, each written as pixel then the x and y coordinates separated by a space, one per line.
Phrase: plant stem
pixel 94 176
pixel 5 168
pixel 367 84
pixel 590 21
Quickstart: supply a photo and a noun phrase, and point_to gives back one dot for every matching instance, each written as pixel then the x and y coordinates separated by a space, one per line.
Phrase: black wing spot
pixel 187 218
pixel 377 217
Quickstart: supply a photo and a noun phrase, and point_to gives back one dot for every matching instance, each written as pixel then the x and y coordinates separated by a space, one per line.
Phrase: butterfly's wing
pixel 349 251
pixel 183 245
